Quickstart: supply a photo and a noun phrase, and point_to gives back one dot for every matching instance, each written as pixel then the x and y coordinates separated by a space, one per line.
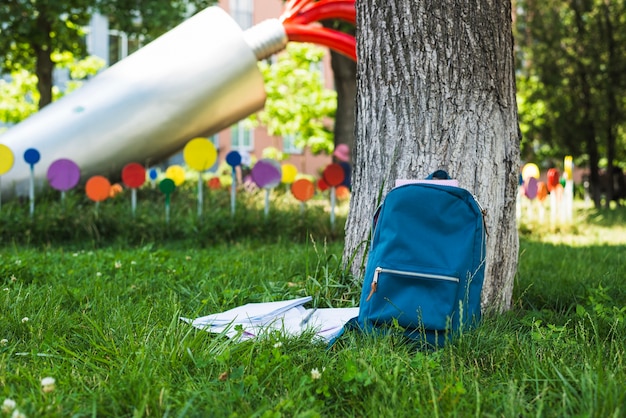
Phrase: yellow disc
pixel 176 173
pixel 6 159
pixel 530 170
pixel 200 154
pixel 568 166
pixel 289 173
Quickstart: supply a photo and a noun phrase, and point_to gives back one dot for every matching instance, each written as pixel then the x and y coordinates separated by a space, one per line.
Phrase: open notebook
pixel 289 317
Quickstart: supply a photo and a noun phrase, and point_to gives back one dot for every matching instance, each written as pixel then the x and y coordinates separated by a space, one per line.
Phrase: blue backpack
pixel 426 263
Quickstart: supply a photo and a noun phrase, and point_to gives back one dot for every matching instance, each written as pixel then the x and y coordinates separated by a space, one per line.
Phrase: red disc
pixel 133 175
pixel 334 174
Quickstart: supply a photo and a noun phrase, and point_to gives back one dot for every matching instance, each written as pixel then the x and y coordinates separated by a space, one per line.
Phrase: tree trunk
pixel 344 73
pixel 436 90
pixel 43 61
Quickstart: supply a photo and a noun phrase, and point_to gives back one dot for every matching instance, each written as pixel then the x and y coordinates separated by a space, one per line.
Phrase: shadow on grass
pixel 604 217
pixel 558 277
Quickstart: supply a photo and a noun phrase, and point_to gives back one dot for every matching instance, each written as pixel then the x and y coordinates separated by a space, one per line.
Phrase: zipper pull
pixel 484 213
pixel 374 283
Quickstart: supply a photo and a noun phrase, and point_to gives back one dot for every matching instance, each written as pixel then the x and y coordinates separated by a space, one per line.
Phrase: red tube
pixel 338 41
pixel 292 8
pixel 343 10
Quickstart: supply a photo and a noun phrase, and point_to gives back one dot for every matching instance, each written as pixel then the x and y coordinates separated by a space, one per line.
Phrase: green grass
pixel 103 320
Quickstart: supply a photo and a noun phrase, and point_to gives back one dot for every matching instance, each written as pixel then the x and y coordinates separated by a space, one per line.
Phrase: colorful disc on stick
pixel 266 173
pixel 333 175
pixel 531 187
pixel 214 183
pixel 176 173
pixel 98 188
pixel 542 191
pixel 321 184
pixel 552 178
pixel 133 175
pixel 303 189
pixel 289 173
pixel 233 158
pixel 6 159
pixel 32 156
pixel 167 186
pixel 200 154
pixel 63 174
pixel 342 192
pixel 530 170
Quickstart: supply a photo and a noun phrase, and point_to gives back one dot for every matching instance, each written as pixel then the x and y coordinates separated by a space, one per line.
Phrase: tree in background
pixel 297 102
pixel 32 31
pixel 344 77
pixel 436 90
pixel 20 94
pixel 571 80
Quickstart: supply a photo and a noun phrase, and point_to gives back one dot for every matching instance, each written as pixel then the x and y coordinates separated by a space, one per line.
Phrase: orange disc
pixel 542 191
pixel 98 188
pixel 303 189
pixel 342 192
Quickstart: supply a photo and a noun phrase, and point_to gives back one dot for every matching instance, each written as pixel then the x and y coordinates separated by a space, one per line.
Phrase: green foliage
pixel 20 95
pixel 30 27
pixel 297 101
pixel 103 321
pixel 570 78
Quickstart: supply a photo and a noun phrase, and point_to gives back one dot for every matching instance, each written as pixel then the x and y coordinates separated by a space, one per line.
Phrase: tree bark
pixel 436 90
pixel 43 61
pixel 344 73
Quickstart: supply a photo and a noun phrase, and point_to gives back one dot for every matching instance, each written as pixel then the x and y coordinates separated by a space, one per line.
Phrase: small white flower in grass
pixel 13 278
pixel 4 341
pixel 187 257
pixel 278 344
pixel 133 263
pixel 48 384
pixel 98 274
pixel 8 405
pixel 316 374
pixel 6 289
pixel 18 262
pixel 118 264
pixel 25 319
pixel 75 254
pixel 18 414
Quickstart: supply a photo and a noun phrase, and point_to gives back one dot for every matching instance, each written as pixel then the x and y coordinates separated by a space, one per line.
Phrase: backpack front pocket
pixel 414 297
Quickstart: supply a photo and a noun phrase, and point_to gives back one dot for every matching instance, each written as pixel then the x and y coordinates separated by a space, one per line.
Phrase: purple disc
pixel 266 173
pixel 531 188
pixel 63 174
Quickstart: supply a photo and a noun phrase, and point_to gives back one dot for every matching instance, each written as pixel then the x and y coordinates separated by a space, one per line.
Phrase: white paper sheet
pixel 288 317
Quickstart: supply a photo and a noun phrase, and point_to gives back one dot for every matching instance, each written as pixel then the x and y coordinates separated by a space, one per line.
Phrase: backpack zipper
pixel 379 270
pixel 483 211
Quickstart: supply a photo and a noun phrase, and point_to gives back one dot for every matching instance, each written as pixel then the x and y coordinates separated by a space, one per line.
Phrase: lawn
pixel 102 318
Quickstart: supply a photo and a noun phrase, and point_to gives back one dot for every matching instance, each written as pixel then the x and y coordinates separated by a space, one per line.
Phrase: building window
pixel 121 46
pixel 241 138
pixel 242 11
pixel 289 145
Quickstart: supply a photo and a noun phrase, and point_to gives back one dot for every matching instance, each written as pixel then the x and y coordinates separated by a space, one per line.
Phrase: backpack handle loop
pixel 439 175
